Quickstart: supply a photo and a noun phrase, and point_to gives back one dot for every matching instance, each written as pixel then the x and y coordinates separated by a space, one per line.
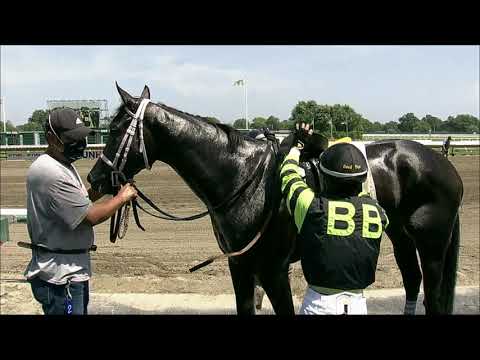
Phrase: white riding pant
pixel 345 302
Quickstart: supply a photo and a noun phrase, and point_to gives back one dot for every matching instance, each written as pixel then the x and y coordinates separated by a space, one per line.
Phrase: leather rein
pixel 118 178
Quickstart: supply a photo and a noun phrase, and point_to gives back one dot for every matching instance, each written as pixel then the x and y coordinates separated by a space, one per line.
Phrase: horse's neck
pixel 201 154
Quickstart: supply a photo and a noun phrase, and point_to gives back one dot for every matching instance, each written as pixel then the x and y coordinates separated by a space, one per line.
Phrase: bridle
pixel 118 178
pixel 137 120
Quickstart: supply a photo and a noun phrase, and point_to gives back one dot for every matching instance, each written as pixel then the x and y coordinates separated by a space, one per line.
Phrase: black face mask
pixel 74 151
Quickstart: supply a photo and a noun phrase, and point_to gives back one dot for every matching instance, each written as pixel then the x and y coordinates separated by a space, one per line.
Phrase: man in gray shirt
pixel 61 216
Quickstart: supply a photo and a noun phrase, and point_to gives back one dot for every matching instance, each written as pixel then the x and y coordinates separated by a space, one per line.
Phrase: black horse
pixel 419 189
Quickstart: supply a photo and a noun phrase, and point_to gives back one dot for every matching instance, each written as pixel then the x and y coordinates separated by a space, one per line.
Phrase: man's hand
pixel 100 212
pixel 303 134
pixel 127 192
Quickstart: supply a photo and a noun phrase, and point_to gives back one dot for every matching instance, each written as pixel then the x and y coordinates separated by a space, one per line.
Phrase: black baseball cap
pixel 343 160
pixel 68 126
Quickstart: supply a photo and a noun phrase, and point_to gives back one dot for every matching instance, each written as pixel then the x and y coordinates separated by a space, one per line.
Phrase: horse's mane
pixel 234 136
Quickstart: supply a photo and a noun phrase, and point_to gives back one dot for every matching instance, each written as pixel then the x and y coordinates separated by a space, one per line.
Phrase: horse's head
pixel 117 156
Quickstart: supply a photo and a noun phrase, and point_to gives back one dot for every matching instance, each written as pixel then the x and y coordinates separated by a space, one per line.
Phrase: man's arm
pixel 94 195
pixel 100 212
pixel 296 192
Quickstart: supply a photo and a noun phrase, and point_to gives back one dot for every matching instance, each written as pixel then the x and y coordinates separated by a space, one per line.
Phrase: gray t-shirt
pixel 57 203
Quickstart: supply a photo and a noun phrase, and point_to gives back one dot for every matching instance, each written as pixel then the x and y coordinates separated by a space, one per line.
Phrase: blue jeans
pixel 53 297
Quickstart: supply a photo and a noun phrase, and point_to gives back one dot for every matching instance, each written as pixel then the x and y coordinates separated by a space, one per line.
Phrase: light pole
pixel 243 82
pixel 246 103
pixel 2 104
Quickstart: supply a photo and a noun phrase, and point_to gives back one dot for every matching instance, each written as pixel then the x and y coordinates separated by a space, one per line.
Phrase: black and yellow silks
pixel 339 238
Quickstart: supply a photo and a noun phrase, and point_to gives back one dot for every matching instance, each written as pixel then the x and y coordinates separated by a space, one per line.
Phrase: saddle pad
pixel 368 186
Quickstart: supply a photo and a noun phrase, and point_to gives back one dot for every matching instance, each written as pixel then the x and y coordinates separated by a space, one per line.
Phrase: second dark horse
pixel 419 189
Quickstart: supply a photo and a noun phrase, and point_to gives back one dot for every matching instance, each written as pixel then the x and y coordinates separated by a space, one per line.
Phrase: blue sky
pixel 380 82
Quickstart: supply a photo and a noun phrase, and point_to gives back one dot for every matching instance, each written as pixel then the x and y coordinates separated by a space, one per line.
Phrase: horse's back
pixel 407 170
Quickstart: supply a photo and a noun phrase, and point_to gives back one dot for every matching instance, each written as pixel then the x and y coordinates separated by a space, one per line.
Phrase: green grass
pixel 467 151
pixel 421 137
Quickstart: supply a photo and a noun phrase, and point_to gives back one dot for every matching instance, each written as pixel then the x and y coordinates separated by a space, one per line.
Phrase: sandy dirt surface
pixel 157 261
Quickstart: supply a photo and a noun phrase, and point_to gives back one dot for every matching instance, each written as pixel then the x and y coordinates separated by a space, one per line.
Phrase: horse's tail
pixel 447 295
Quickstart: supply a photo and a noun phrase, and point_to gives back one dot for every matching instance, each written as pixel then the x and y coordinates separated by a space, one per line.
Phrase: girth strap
pixel 235 253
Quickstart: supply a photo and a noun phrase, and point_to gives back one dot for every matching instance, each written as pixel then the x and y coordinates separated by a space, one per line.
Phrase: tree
pixel 311 113
pixel 286 125
pixel 461 123
pixel 305 111
pixel 327 119
pixel 258 123
pixel 273 123
pixel 378 127
pixel 30 126
pixel 344 117
pixel 421 127
pixel 240 124
pixel 407 122
pixel 391 127
pixel 35 122
pixel 39 117
pixel 9 126
pixel 433 121
pixel 366 125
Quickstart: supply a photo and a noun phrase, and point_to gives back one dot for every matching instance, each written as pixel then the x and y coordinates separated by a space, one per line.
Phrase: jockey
pixel 446 146
pixel 339 231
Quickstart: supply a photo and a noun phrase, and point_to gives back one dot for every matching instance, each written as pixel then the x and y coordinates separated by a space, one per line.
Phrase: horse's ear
pixel 145 93
pixel 127 99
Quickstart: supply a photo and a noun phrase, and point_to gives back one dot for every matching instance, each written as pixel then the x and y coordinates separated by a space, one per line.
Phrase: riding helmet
pixel 344 161
pixel 256 134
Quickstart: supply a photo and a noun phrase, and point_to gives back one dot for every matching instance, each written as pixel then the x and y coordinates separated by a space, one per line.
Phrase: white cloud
pixel 378 80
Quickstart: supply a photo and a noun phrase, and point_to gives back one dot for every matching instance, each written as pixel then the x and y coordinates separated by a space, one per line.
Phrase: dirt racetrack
pixel 157 261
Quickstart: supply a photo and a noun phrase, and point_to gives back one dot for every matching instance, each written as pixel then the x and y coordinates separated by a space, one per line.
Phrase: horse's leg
pixel 277 287
pixel 244 285
pixel 259 294
pixel 431 226
pixel 406 258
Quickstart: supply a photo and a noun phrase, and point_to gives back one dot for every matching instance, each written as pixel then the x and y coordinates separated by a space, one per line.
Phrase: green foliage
pixel 35 122
pixel 336 120
pixel 273 123
pixel 286 125
pixel 421 127
pixel 257 123
pixel 9 126
pixel 407 122
pixel 433 121
pixel 461 123
pixel 240 124
pixel 391 127
pixel 30 126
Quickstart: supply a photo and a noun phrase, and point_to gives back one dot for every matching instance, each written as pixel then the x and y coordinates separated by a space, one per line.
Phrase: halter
pixel 137 120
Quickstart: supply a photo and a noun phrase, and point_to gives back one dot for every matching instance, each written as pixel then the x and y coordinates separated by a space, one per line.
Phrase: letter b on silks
pixel 341 223
pixel 340 212
pixel 368 220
